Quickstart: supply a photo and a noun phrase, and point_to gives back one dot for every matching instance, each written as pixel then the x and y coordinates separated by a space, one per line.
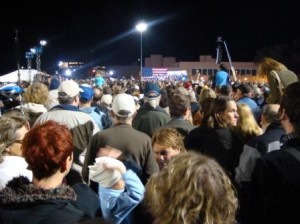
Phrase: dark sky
pixel 103 32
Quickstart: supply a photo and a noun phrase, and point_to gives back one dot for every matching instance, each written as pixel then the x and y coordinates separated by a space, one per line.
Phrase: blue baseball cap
pixel 152 90
pixel 87 93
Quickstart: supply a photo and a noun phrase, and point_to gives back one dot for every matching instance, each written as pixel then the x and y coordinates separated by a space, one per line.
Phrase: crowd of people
pixel 130 152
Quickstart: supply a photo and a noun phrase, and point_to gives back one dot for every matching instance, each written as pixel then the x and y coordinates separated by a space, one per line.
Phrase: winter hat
pixel 54 83
pixel 106 171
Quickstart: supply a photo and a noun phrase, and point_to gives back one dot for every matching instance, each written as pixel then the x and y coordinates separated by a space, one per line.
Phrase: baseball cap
pixel 152 90
pixel 87 93
pixel 106 99
pixel 123 105
pixel 69 87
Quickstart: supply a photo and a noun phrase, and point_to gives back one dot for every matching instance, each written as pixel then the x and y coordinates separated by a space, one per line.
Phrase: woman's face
pixel 15 148
pixel 230 115
pixel 163 154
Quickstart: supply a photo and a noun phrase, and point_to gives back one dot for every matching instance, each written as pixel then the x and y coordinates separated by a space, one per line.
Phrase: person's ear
pixel 67 164
pixel 281 114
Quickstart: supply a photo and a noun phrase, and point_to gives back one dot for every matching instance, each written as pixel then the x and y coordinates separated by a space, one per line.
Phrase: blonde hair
pixel 206 92
pixel 199 190
pixel 37 93
pixel 169 137
pixel 247 126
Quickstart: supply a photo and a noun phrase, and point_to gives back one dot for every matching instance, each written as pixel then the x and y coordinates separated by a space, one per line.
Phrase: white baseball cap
pixel 123 105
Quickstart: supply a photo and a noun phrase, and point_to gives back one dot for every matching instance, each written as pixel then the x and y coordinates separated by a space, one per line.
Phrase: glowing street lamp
pixel 38 51
pixel 141 27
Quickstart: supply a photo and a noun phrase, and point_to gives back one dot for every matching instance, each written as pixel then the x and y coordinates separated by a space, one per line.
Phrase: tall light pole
pixel 29 55
pixel 141 27
pixel 38 51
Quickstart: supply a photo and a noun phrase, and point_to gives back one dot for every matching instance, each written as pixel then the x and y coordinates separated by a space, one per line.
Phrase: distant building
pixel 205 67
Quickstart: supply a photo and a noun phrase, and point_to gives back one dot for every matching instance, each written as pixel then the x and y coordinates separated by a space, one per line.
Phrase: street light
pixel 141 27
pixel 38 51
pixel 29 55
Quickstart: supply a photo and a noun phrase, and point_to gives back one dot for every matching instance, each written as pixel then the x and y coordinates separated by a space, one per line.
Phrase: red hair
pixel 46 147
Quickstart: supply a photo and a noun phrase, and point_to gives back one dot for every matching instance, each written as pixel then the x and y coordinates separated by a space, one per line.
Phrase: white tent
pixel 25 75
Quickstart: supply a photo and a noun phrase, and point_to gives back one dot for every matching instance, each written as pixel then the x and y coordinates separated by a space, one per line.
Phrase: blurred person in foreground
pixel 120 189
pixel 193 188
pixel 275 194
pixel 253 149
pixel 13 127
pixel 48 150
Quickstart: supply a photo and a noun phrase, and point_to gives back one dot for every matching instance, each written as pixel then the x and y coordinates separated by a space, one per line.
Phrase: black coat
pixel 23 202
pixel 275 194
pixel 221 144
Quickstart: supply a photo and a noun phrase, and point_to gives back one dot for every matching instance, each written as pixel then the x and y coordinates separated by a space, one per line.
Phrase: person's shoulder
pixel 281 156
pixel 140 134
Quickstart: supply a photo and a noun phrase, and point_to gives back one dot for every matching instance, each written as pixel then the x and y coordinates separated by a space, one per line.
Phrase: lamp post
pixel 141 27
pixel 38 51
pixel 29 55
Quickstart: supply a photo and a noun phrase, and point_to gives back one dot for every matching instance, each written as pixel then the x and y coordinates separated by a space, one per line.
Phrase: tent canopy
pixel 25 75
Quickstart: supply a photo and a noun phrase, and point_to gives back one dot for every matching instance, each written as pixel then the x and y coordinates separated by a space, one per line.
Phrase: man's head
pixel 179 104
pixel 123 106
pixel 289 111
pixel 244 89
pixel 68 92
pixel 87 94
pixel 269 113
pixel 152 94
pixel 151 90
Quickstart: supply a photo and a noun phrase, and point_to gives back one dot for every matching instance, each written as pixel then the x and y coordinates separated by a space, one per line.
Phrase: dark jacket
pixel 181 125
pixel 275 194
pixel 130 141
pixel 23 202
pixel 254 149
pixel 149 119
pixel 221 144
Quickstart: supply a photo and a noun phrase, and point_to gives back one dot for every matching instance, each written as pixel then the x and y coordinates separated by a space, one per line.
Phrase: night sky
pixel 103 33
